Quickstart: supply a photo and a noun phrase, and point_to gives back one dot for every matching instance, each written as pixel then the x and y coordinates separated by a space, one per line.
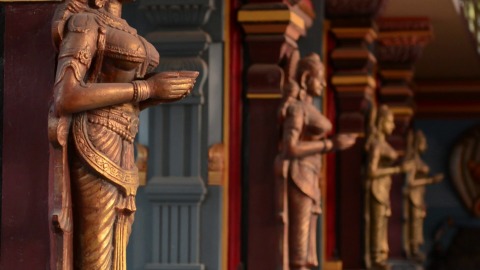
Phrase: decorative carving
pixel 216 164
pixel 172 13
pixel 298 164
pixel 402 40
pixel 414 196
pixel 142 163
pixel 465 169
pixel 103 98
pixel 377 189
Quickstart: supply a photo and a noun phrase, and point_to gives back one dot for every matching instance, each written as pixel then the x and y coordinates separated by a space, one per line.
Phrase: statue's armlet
pixel 78 46
pixel 293 124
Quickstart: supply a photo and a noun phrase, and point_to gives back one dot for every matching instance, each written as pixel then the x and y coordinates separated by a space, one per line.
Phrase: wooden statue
pixel 414 197
pixel 298 165
pixel 381 156
pixel 102 81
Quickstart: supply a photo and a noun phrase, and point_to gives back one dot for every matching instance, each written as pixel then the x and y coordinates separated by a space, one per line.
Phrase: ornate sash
pixel 126 179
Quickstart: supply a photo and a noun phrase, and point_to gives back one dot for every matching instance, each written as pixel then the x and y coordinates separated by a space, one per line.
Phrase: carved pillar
pixel 352 64
pixel 400 44
pixel 177 189
pixel 272 30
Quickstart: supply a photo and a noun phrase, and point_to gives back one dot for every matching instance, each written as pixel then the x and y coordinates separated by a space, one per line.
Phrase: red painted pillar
pixel 28 83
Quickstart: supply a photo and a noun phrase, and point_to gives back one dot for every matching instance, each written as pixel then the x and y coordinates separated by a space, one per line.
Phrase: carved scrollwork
pixel 216 164
pixel 398 54
pixel 465 169
pixel 401 40
pixel 172 13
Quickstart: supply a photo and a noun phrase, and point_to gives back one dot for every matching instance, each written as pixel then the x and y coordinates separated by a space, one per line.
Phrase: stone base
pixel 405 265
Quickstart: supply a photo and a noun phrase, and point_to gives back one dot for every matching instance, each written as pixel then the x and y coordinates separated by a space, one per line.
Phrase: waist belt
pixel 125 124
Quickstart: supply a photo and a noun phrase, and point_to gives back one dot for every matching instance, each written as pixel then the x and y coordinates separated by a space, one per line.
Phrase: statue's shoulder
pixel 373 144
pixel 83 22
pixel 295 108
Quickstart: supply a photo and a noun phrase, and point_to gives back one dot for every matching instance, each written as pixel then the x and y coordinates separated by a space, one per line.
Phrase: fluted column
pixel 176 188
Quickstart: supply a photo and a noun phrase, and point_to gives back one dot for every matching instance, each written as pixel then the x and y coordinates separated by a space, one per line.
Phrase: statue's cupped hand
pixel 171 85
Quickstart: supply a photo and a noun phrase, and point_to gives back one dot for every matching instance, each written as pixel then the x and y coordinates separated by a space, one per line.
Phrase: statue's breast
pixel 126 55
pixel 388 155
pixel 125 50
pixel 316 124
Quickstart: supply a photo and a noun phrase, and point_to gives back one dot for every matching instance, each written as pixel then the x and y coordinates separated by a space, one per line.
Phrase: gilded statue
pixel 414 207
pixel 303 132
pixel 103 80
pixel 381 157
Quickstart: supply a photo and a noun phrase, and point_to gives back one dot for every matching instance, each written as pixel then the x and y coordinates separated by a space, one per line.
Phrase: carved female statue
pixel 100 86
pixel 417 179
pixel 304 138
pixel 381 156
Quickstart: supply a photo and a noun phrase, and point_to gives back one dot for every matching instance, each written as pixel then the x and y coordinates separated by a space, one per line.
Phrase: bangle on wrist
pixel 141 91
pixel 325 147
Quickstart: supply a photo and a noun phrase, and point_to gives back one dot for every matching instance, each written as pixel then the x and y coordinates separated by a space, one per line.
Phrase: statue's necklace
pixel 115 22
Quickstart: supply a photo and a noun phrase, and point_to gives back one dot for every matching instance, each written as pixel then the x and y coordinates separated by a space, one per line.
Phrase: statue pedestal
pixel 404 265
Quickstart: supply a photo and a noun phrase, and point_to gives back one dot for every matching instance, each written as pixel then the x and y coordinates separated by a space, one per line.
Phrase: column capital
pixel 401 41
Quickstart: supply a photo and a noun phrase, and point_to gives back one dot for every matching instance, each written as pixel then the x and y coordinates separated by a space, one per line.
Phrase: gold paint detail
pixel 369 34
pixel 126 179
pixel 333 265
pixel 142 163
pixel 402 110
pixel 216 164
pixel 264 96
pixel 354 80
pixel 226 135
pixel 257 16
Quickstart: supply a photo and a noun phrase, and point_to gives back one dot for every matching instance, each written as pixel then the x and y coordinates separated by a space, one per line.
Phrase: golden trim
pixel 355 32
pixel 354 79
pixel 226 137
pixel 401 110
pixel 264 96
pixel 333 265
pixel 215 179
pixel 270 16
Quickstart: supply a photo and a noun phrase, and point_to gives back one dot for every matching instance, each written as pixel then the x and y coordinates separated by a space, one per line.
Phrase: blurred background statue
pixel 381 157
pixel 298 165
pixel 414 197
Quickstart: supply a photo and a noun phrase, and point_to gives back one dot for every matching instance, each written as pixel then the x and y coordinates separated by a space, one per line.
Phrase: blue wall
pixel 442 199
